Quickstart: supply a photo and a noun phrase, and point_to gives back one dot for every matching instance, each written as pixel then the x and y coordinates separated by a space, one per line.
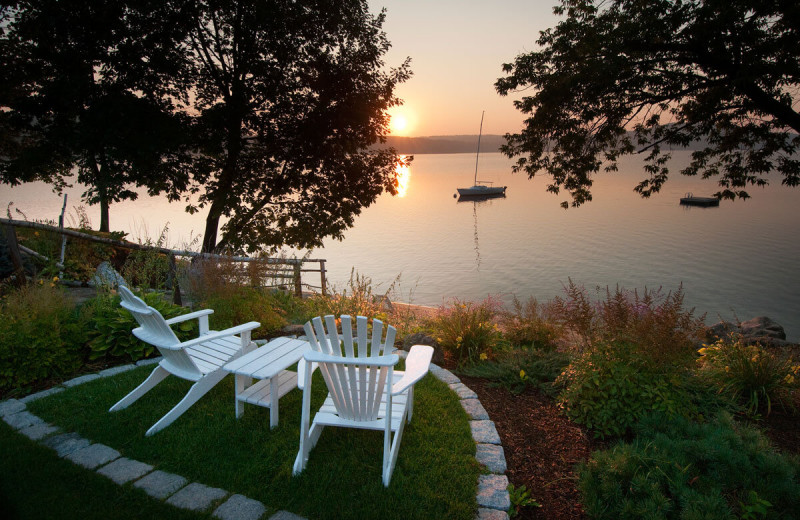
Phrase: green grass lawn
pixel 435 476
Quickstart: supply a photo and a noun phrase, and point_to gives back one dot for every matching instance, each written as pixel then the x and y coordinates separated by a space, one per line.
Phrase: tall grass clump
pixel 679 469
pixel 42 336
pixel 750 374
pixel 531 324
pixel 225 287
pixel 468 331
pixel 634 354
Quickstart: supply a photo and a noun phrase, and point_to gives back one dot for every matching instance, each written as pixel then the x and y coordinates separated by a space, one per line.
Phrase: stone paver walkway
pixel 493 498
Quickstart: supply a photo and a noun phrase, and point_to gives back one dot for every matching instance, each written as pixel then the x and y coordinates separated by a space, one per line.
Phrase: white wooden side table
pixel 268 364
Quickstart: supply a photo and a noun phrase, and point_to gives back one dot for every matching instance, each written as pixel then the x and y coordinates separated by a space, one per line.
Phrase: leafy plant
pixel 466 329
pixel 529 324
pixel 520 497
pixel 610 388
pixel 676 468
pixel 110 329
pixel 518 369
pixel 42 336
pixel 749 374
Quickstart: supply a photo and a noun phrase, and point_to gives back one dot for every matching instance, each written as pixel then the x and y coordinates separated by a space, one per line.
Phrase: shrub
pixel 42 336
pixel 681 469
pixel 239 305
pixel 655 324
pixel 610 388
pixel 529 324
pixel 518 369
pixel 358 298
pixel 109 331
pixel 749 374
pixel 466 330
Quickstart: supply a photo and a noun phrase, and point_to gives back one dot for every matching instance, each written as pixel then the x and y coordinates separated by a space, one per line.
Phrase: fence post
pixel 173 277
pixel 298 283
pixel 323 281
pixel 16 256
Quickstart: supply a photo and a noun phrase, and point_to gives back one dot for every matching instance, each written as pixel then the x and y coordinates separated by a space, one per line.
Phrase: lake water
pixel 740 259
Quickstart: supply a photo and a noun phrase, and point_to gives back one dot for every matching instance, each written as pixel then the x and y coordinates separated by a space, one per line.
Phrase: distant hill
pixel 444 144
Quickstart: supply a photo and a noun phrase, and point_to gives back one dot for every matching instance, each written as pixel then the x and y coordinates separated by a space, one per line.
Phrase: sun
pixel 401 120
pixel 399 123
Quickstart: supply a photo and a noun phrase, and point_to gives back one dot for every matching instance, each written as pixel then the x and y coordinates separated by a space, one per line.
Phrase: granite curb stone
pixel 38 432
pixel 196 497
pixel 492 456
pixel 93 456
pixel 80 380
pixel 484 432
pixel 491 514
pixel 44 393
pixel 10 407
pixel 493 492
pixel 444 374
pixel 160 484
pixel 463 391
pixel 66 443
pixel 474 409
pixel 124 470
pixel 146 362
pixel 286 515
pixel 22 420
pixel 115 370
pixel 239 507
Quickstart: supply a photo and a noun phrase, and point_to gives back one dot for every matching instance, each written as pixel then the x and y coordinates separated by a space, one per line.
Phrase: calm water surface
pixel 740 259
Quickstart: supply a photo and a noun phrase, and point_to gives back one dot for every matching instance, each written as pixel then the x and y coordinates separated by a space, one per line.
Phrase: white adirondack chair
pixel 199 360
pixel 364 390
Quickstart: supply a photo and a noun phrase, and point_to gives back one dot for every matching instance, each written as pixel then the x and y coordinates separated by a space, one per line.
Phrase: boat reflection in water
pixel 478 200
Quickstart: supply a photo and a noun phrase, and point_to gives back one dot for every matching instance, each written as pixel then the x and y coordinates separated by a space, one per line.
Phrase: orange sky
pixel 457 49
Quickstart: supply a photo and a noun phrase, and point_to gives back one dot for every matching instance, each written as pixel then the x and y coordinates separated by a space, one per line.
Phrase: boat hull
pixel 481 191
pixel 700 201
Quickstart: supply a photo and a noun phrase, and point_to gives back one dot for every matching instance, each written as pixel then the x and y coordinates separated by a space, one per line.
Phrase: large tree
pixel 619 77
pixel 289 95
pixel 83 94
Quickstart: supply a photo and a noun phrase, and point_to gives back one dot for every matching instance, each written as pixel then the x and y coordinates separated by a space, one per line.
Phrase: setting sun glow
pixel 402 120
pixel 403 173
pixel 399 123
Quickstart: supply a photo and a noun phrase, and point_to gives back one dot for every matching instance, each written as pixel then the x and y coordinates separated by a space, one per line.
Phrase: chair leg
pixel 155 377
pixel 388 466
pixel 198 390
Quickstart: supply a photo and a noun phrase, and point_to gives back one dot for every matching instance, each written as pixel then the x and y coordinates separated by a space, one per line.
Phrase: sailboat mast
pixel 478 154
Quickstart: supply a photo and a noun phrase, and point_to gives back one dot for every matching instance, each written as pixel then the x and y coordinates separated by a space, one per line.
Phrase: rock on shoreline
pixel 761 330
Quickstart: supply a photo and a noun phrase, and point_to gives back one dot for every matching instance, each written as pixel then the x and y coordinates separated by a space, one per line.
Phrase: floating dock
pixel 691 200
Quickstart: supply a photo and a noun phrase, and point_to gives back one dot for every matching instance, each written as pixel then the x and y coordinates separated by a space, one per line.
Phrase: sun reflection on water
pixel 403 172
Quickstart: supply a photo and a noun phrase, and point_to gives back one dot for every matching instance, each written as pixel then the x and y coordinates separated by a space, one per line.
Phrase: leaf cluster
pixel 622 77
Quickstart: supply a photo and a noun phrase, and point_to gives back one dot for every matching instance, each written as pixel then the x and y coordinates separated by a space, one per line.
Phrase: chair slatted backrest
pixel 153 329
pixel 356 391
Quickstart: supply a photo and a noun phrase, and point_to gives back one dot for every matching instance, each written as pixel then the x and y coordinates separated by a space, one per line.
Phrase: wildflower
pixel 483 356
pixel 55 279
pixel 789 379
pixel 459 340
pixel 702 351
pixel 522 374
pixel 727 368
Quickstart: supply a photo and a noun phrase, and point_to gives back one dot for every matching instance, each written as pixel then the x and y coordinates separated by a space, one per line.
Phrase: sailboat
pixel 481 189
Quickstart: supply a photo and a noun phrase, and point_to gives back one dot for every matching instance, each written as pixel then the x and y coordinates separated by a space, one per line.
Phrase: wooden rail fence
pixel 295 265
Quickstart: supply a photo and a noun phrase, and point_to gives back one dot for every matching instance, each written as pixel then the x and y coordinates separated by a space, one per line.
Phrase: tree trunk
pixel 212 225
pixel 104 225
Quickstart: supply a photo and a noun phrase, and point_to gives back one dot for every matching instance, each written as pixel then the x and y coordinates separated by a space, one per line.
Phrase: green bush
pixel 468 331
pixel 239 305
pixel 518 369
pixel 609 389
pixel 749 374
pixel 678 469
pixel 109 331
pixel 42 336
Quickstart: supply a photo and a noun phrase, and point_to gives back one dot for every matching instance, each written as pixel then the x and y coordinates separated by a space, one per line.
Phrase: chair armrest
pixel 379 361
pixel 417 364
pixel 190 316
pixel 301 372
pixel 219 334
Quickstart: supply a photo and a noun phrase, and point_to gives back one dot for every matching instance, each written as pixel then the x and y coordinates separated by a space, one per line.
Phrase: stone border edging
pixel 492 497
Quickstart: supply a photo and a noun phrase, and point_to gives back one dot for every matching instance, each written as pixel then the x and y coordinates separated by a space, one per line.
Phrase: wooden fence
pixel 295 267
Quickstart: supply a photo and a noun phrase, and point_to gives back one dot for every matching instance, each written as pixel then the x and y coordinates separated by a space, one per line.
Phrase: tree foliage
pixel 619 77
pixel 83 92
pixel 288 96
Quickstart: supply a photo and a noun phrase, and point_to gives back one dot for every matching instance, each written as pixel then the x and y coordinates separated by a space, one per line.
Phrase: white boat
pixel 482 189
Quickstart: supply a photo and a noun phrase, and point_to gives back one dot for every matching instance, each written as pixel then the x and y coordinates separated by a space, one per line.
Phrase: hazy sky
pixel 457 49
